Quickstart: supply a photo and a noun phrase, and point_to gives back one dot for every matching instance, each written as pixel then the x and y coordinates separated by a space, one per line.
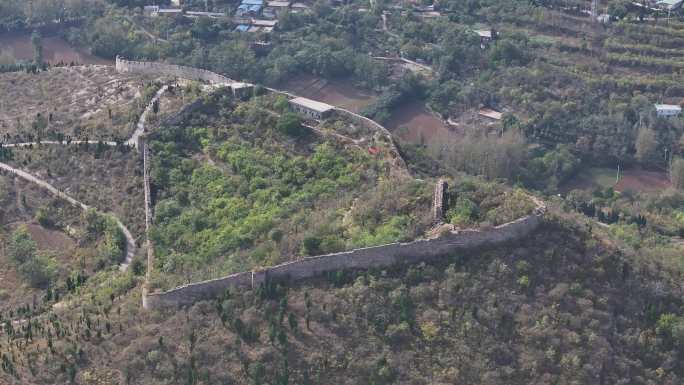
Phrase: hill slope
pixel 560 307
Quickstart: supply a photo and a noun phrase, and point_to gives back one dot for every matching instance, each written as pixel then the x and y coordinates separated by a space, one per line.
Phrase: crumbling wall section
pixel 358 259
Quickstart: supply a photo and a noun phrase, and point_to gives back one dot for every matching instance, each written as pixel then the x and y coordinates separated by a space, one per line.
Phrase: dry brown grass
pixel 79 98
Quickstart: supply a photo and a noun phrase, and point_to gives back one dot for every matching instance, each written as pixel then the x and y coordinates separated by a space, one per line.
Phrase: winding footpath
pixel 133 141
pixel 130 241
pixel 140 128
pixel 31 144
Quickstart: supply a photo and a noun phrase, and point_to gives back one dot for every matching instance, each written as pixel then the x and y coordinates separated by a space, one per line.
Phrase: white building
pixel 311 108
pixel 667 110
pixel 668 4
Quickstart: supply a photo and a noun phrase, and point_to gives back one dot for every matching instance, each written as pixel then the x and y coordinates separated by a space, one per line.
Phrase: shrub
pixel 45 216
pixel 463 212
pixel 290 124
pixel 22 247
pixel 40 270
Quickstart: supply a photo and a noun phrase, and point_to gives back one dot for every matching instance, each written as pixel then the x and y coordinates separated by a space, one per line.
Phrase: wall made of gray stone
pixel 359 259
pixel 191 293
pixel 365 258
pixel 153 68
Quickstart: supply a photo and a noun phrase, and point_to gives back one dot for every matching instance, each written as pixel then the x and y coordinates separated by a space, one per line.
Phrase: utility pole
pixel 617 177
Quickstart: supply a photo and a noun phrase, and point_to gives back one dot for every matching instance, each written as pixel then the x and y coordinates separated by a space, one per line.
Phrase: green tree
pixel 291 124
pixel 646 145
pixel 677 173
pixel 22 247
pixel 40 270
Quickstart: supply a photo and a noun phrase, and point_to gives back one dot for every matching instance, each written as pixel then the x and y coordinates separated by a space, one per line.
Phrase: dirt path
pixel 31 144
pixel 130 241
pixel 140 128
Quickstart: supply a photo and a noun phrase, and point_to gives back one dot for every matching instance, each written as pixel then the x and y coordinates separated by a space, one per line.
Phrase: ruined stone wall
pixel 365 258
pixel 439 200
pixel 153 68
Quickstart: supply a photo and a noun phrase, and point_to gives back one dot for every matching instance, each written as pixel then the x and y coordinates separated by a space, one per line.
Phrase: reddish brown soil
pixel 55 50
pixel 413 123
pixel 51 239
pixel 643 181
pixel 14 289
pixel 340 92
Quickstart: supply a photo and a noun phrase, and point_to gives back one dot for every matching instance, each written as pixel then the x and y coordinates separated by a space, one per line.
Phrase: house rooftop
pixel 240 85
pixel 491 114
pixel 669 4
pixel 249 8
pixel 169 10
pixel 210 14
pixel 279 4
pixel 312 104
pixel 669 107
pixel 484 32
pixel 263 23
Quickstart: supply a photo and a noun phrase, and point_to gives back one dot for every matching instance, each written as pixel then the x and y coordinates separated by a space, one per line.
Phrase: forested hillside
pixel 562 307
pixel 508 103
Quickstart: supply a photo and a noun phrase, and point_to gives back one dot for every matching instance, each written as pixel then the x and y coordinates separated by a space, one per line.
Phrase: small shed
pixel 263 23
pixel 169 11
pixel 299 7
pixel 311 108
pixel 242 90
pixel 491 114
pixel 278 4
pixel 150 10
pixel 668 5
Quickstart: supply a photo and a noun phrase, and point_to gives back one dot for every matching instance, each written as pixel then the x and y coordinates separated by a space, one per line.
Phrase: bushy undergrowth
pixel 243 194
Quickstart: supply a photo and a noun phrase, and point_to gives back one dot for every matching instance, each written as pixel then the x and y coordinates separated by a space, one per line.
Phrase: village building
pixel 261 47
pixel 263 23
pixel 486 36
pixel 667 110
pixel 273 7
pixel 246 10
pixel 311 108
pixel 168 12
pixel 489 113
pixel 249 8
pixel 150 10
pixel 205 14
pixel 242 90
pixel 299 7
pixel 668 5
pixel 279 5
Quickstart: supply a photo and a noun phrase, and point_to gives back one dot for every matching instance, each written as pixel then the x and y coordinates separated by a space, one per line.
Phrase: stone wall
pixel 153 68
pixel 439 200
pixel 365 258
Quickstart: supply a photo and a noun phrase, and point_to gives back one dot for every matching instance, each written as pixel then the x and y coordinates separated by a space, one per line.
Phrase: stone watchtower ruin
pixel 440 203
